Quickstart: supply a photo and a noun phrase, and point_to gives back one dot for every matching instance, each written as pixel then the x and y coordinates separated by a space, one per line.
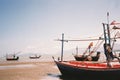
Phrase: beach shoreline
pixel 15 70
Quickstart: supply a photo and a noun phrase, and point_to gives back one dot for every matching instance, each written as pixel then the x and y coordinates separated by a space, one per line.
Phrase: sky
pixel 31 26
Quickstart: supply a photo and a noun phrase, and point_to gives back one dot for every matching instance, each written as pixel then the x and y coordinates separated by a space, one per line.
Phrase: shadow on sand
pixel 61 77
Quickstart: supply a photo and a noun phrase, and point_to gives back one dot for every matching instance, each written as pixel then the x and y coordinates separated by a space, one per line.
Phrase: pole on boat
pixel 106 39
pixel 107 44
pixel 62 46
pixel 77 50
pixel 108 29
pixel 108 18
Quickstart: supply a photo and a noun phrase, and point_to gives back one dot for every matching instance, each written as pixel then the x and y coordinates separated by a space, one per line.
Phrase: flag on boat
pixel 114 23
pixel 90 45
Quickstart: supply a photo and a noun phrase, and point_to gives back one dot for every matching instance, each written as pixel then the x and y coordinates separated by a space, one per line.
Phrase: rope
pixel 98 44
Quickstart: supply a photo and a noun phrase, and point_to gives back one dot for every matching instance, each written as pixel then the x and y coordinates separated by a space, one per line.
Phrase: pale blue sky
pixel 32 25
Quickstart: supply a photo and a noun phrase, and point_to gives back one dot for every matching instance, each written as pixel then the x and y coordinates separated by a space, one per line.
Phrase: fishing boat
pixel 80 69
pixel 84 57
pixel 12 57
pixel 108 69
pixel 35 57
pixel 87 57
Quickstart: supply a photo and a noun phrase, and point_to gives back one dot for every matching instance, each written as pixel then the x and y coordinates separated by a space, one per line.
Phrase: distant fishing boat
pixel 12 57
pixel 109 69
pixel 35 57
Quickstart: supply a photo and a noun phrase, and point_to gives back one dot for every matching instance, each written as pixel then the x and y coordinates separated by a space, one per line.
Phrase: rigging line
pixel 95 49
pixel 103 40
pixel 103 33
pixel 114 39
pixel 85 51
pixel 99 45
pixel 100 42
pixel 95 45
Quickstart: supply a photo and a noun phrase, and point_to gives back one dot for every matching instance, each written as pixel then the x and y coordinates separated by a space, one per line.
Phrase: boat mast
pixel 107 43
pixel 77 50
pixel 108 28
pixel 106 37
pixel 62 46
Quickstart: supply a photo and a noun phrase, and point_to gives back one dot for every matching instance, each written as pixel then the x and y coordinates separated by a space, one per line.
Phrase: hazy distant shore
pixel 26 70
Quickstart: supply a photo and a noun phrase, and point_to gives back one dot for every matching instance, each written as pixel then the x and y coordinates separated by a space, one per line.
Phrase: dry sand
pixel 26 70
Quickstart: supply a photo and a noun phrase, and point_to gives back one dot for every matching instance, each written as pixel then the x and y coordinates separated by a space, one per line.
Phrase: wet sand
pixel 26 70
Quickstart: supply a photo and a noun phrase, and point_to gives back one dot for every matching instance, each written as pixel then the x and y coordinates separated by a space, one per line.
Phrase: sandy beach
pixel 26 70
